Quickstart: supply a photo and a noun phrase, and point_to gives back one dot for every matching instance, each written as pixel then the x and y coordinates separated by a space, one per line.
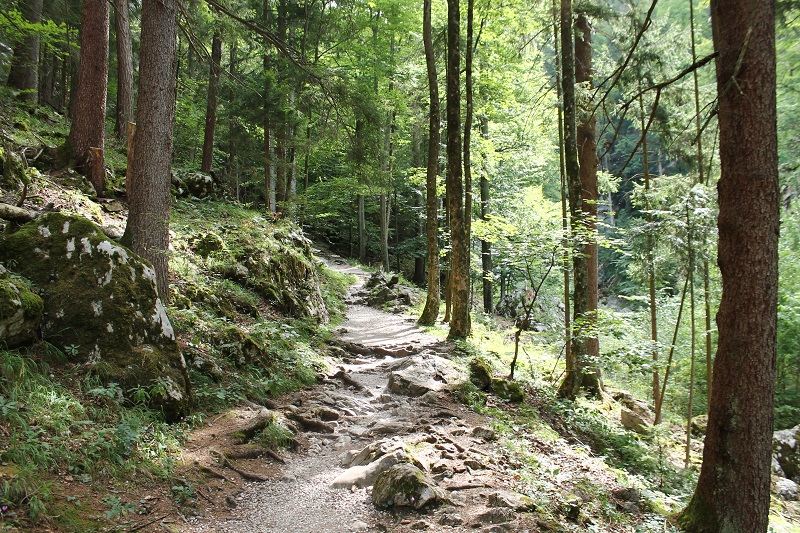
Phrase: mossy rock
pixel 12 171
pixel 510 390
pixel 405 485
pixel 480 373
pixel 206 243
pixel 101 305
pixel 20 312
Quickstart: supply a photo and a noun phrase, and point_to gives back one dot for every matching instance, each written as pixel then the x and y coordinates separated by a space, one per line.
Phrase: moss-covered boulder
pixel 480 373
pixel 20 312
pixel 405 485
pixel 509 390
pixel 12 171
pixel 101 306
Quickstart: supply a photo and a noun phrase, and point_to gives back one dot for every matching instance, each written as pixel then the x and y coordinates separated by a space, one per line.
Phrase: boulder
pixel 699 425
pixel 787 453
pixel 200 184
pixel 20 311
pixel 422 373
pixel 101 306
pixel 511 500
pixel 480 374
pixel 636 415
pixel 365 475
pixel 786 489
pixel 509 390
pixel 405 485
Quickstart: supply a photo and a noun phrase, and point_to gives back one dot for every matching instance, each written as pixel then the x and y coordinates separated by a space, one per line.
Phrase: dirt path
pixel 325 485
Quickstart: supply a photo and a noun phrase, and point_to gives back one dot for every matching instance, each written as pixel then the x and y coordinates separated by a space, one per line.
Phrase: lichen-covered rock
pixel 511 500
pixel 12 171
pixel 636 415
pixel 199 184
pixel 101 306
pixel 20 312
pixel 786 489
pixel 699 425
pixel 787 452
pixel 405 485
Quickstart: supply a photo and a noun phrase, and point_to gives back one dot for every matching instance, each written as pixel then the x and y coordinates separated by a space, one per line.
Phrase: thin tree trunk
pixel 269 160
pixel 431 311
pixel 486 246
pixel 207 163
pixel 89 109
pixel 419 201
pixel 24 73
pixel 733 491
pixel 693 330
pixel 122 27
pixel 562 171
pixel 147 231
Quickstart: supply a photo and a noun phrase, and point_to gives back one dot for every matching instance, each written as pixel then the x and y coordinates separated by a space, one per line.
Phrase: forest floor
pixel 445 436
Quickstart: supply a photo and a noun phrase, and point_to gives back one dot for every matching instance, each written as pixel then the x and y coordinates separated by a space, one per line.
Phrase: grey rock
pixel 787 452
pixel 786 489
pixel 21 312
pixel 511 500
pixel 484 433
pixel 419 374
pixel 497 515
pixel 365 475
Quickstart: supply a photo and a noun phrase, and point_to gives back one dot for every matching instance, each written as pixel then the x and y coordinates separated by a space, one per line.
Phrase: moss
pixel 697 517
pixel 100 299
pixel 510 390
pixel 480 373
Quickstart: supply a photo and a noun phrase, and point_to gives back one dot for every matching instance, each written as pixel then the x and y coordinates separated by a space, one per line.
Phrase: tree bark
pixel 732 494
pixel 89 107
pixel 581 374
pixel 24 73
pixel 419 200
pixel 486 246
pixel 122 27
pixel 431 311
pixel 207 163
pixel 459 265
pixel 147 231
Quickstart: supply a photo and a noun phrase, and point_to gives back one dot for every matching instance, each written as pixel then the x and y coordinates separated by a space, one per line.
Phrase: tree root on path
pixel 362 349
pixel 347 380
pixel 249 476
pixel 311 424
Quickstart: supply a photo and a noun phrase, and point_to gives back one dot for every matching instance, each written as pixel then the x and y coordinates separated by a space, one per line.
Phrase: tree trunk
pixel 587 159
pixel 89 107
pixel 147 232
pixel 486 246
pixel 459 262
pixel 122 26
pixel 431 311
pixel 580 374
pixel 24 73
pixel 207 163
pixel 468 126
pixel 419 201
pixel 732 494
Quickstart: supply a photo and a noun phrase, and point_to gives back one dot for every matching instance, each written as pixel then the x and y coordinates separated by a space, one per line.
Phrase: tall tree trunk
pixel 89 108
pixel 468 124
pixel 459 265
pixel 207 163
pixel 419 200
pixel 562 173
pixel 269 160
pixel 580 372
pixel 24 73
pixel 486 246
pixel 431 311
pixel 147 232
pixel 122 27
pixel 587 159
pixel 733 492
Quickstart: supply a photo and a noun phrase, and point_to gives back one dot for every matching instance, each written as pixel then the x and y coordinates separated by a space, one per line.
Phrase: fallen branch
pixel 347 380
pixel 213 472
pixel 149 522
pixel 15 214
pixel 467 486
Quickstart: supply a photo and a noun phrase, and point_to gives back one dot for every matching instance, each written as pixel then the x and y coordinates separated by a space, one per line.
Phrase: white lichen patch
pixel 110 328
pixel 106 279
pixel 87 246
pixel 111 249
pixel 97 307
pixel 70 247
pixel 60 313
pixel 44 231
pixel 65 229
pixel 161 317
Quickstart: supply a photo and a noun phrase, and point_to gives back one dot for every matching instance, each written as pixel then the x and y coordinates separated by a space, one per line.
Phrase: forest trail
pixel 371 423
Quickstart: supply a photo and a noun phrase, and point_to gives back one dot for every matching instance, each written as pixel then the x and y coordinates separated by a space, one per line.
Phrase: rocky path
pixel 386 403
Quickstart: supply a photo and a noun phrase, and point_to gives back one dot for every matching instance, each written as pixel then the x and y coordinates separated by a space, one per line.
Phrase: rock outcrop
pixel 418 374
pixel 101 307
pixel 405 485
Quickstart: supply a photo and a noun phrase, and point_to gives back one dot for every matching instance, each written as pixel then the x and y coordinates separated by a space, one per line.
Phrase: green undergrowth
pixel 60 424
